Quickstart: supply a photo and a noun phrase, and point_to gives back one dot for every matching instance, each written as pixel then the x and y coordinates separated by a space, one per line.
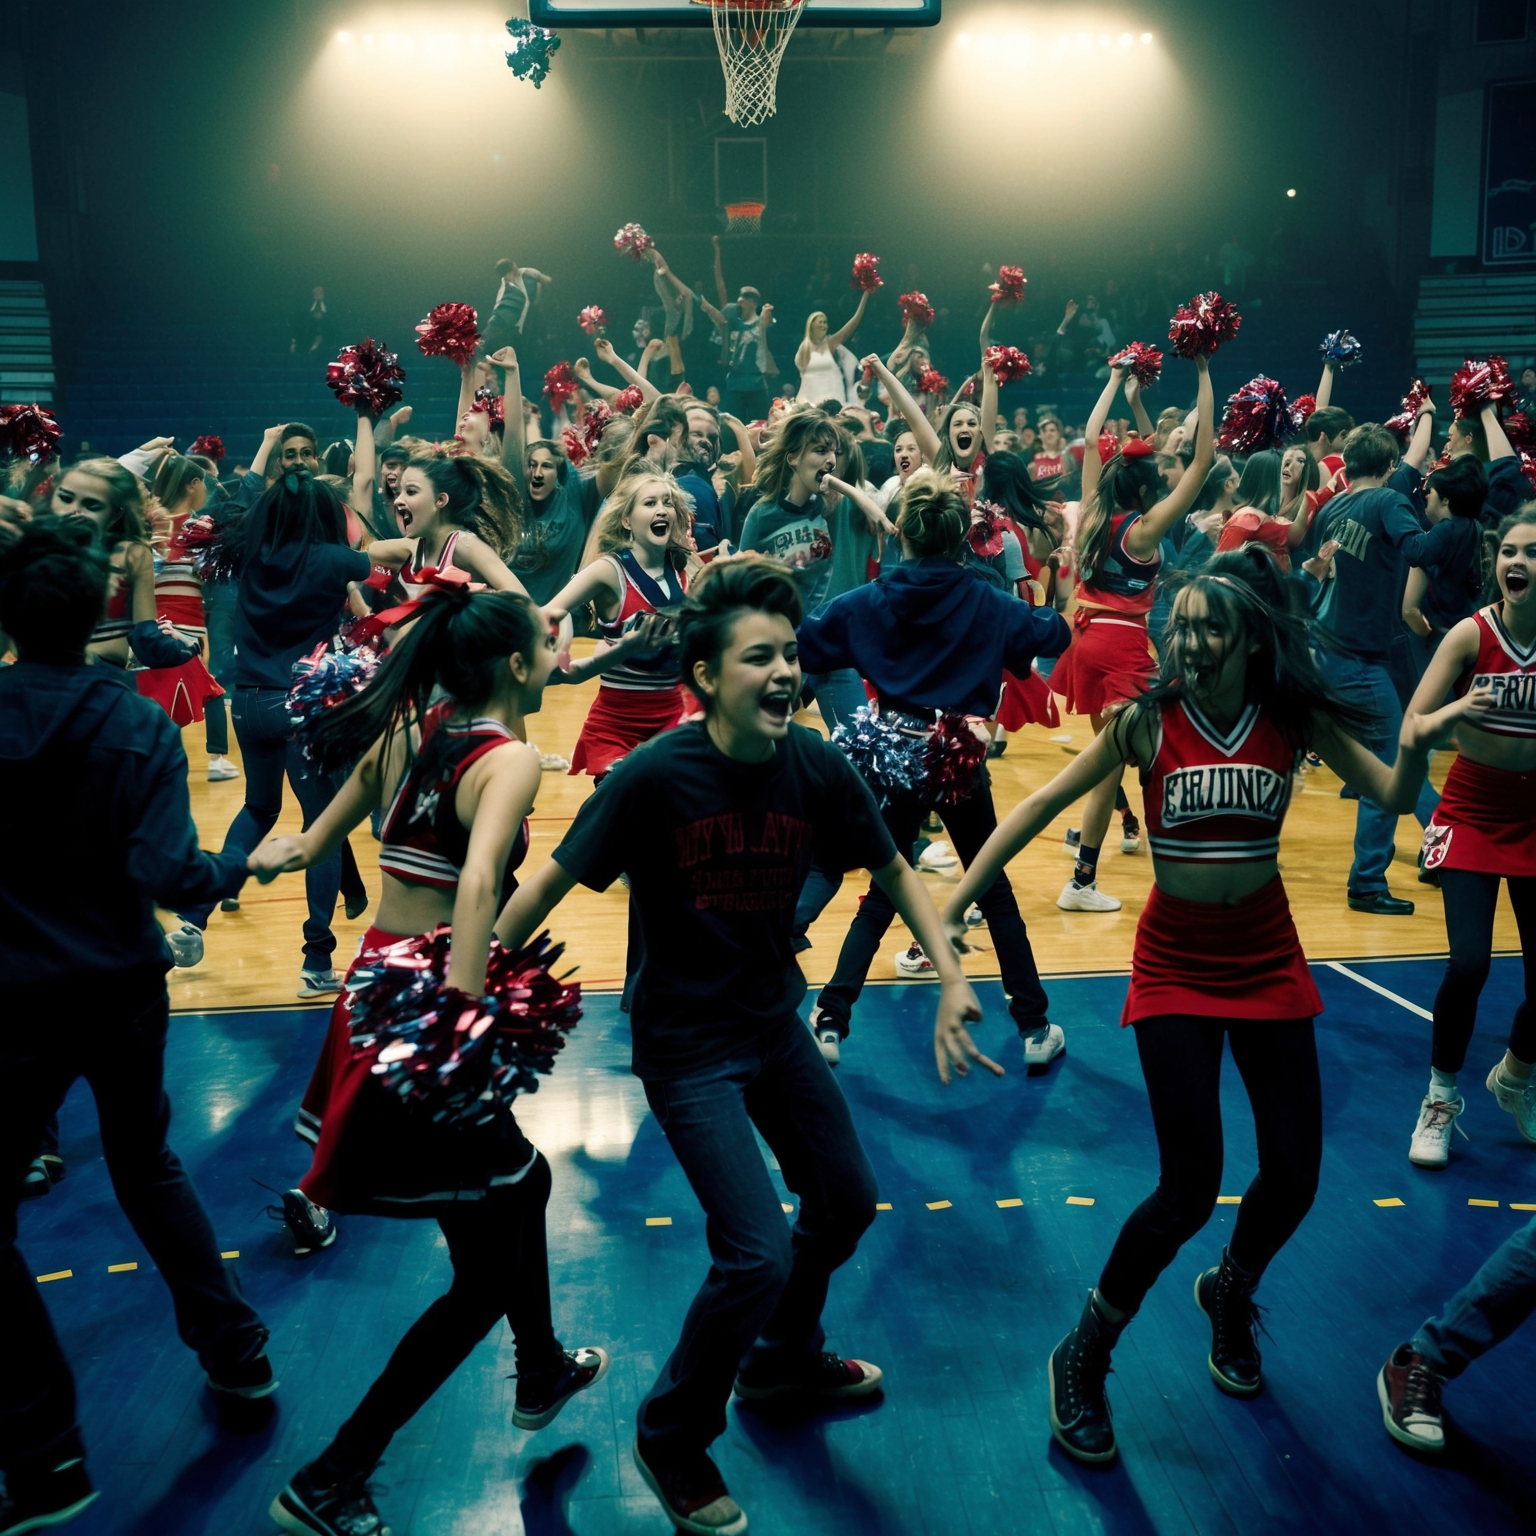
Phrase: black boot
pixel 1078 1368
pixel 1225 1295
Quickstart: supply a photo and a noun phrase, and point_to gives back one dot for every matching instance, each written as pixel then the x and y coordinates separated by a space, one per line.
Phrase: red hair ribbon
pixel 439 584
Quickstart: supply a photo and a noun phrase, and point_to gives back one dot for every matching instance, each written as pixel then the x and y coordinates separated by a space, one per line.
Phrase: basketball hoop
pixel 752 36
pixel 744 218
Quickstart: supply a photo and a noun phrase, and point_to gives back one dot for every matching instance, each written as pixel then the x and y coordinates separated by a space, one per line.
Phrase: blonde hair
pixel 128 523
pixel 811 319
pixel 609 533
pixel 932 518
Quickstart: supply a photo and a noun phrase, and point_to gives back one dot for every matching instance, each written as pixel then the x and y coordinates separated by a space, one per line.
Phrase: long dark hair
pixel 1247 592
pixel 457 645
pixel 1259 486
pixel 1125 485
pixel 482 497
pixel 296 509
pixel 1005 479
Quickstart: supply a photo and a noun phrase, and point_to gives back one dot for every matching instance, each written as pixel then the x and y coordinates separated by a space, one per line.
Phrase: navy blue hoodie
pixel 99 827
pixel 931 634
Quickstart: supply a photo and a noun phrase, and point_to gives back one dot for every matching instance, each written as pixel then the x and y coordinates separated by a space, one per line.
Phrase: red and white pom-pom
pixel 1142 362
pixel 594 419
pixel 1255 418
pixel 560 385
pixel 451 331
pixel 629 399
pixel 953 758
pixel 631 240
pixel 1301 408
pixel 592 320
pixel 209 446
pixel 216 549
pixel 1402 423
pixel 985 534
pixel 931 382
pixel 1109 446
pixel 916 310
pixel 489 400
pixel 575 446
pixel 866 272
pixel 1528 468
pixel 1008 363
pixel 367 377
pixel 29 432
pixel 1009 287
pixel 1207 322
pixel 1520 430
pixel 1476 384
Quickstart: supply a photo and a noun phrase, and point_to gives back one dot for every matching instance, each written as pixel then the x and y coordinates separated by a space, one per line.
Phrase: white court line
pixel 1365 981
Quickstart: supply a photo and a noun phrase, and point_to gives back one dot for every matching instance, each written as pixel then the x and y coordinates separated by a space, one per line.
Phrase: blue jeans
pixel 270 751
pixel 766 1285
pixel 220 599
pixel 1369 685
pixel 1497 1299
pixel 838 694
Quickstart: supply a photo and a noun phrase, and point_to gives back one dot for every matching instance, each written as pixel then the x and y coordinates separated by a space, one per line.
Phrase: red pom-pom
pixel 953 758
pixel 560 385
pixel 1528 468
pixel 367 377
pixel 209 446
pixel 931 382
pixel 631 240
pixel 29 432
pixel 489 400
pixel 630 398
pixel 1109 446
pixel 1256 417
pixel 866 272
pixel 1402 423
pixel 1476 384
pixel 1009 287
pixel 916 310
pixel 869 373
pixel 592 320
pixel 1143 363
pixel 1301 408
pixel 1008 363
pixel 216 549
pixel 575 447
pixel 985 534
pixel 1207 322
pixel 451 330
pixel 1520 430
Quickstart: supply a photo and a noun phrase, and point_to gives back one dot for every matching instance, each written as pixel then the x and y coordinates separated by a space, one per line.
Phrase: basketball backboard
pixel 607 14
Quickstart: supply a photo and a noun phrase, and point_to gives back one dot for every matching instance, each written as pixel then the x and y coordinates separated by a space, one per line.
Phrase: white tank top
pixel 823 379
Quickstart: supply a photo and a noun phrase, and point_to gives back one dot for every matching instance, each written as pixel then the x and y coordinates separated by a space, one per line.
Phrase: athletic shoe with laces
pixel 827 1378
pixel 220 769
pixel 973 916
pixel 1078 1371
pixel 540 1399
pixel 937 857
pixel 828 1037
pixel 319 984
pixel 186 945
pixel 1043 1045
pixel 1225 1294
pixel 1130 833
pixel 1431 1144
pixel 1072 843
pixel 244 1378
pixel 1515 1098
pixel 314 1505
pixel 45 1499
pixel 911 961
pixel 1086 898
pixel 552 762
pixel 1409 1393
pixel 309 1225
pixel 692 1492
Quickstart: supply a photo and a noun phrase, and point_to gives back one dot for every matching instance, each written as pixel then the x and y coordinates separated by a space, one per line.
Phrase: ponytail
pixel 933 518
pixel 1125 485
pixel 482 497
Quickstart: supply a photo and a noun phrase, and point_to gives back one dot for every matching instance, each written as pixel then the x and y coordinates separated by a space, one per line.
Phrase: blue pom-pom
pixel 1341 349
pixel 531 50
pixel 324 679
pixel 890 760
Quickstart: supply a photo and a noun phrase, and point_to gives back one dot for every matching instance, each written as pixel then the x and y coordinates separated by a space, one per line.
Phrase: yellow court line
pixel 1006 1205
pixel 1229 1199
pixel 1493 1204
pixel 118 1269
pixel 940 1205
pixel 58 1274
pixel 884 1205
pixel 658 1221
pixel 788 1209
pixel 1392 1201
pixel 1516 1205
pixel 234 1253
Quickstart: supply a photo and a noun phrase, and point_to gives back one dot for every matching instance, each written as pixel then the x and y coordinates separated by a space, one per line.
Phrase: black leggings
pixel 500 1269
pixel 1470 899
pixel 1181 1061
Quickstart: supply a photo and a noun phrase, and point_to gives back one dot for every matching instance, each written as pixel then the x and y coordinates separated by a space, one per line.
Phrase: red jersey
pixel 1250 526
pixel 1509 670
pixel 1214 798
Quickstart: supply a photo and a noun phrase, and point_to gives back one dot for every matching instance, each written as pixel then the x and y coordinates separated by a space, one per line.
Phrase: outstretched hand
pixel 276 856
pixel 953 1048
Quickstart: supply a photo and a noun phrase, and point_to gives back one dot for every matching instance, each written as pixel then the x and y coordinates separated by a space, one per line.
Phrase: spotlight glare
pixel 1290 191
pixel 1146 37
pixel 343 37
pixel 1126 39
pixel 965 39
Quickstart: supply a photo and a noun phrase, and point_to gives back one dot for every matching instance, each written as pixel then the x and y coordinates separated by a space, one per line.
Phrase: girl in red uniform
pixel 1484 830
pixel 1111 657
pixel 455 831
pixel 1216 954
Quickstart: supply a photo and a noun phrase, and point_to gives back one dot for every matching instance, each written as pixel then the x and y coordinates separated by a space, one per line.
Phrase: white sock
pixel 1442 1087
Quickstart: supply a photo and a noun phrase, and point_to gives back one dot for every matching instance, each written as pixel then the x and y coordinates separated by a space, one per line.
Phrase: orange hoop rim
pixel 747 210
pixel 751 5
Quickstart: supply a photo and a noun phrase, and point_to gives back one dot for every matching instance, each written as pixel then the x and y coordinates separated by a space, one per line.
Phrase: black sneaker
pixel 828 1378
pixel 692 1492
pixel 1409 1393
pixel 310 1225
pixel 1428 876
pixel 1078 1370
pixel 1382 903
pixel 48 1499
pixel 248 1378
pixel 311 1508
pixel 540 1399
pixel 1225 1295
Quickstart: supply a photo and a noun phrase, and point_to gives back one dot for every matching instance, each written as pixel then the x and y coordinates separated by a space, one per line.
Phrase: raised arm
pixel 922 428
pixel 1095 427
pixel 1499 445
pixel 468 372
pixel 1424 429
pixel 1138 407
pixel 715 315
pixel 748 458
pixel 841 337
pixel 514 431
pixel 364 468
pixel 1148 531
pixel 988 410
pixel 1325 384
pixel 397 421
pixel 583 371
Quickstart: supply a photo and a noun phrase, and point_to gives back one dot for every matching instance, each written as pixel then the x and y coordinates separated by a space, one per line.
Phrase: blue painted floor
pixel 959 1304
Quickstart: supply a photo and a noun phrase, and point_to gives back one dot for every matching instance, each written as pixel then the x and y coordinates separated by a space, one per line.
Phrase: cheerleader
pixel 821 375
pixel 1216 956
pixel 1484 830
pixel 1116 555
pixel 716 823
pixel 455 831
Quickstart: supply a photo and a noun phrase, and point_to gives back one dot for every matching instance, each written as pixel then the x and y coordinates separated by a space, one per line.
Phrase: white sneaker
pixel 1431 1144
pixel 186 945
pixel 552 762
pixel 1517 1099
pixel 973 917
pixel 319 983
pixel 220 768
pixel 828 1041
pixel 936 857
pixel 913 962
pixel 1086 898
pixel 1072 842
pixel 1044 1045
pixel 1130 835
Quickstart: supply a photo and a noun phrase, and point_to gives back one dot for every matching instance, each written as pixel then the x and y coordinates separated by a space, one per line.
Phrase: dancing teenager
pixel 716 824
pixel 1216 955
pixel 455 832
pixel 821 375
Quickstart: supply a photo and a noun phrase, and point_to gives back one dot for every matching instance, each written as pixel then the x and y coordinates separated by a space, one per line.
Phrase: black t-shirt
pixel 292 598
pixel 716 851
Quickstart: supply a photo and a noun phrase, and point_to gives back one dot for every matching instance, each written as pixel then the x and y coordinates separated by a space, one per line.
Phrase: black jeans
pixel 766 1285
pixel 1181 1061
pixel 500 1269
pixel 1470 900
pixel 969 823
pixel 115 1040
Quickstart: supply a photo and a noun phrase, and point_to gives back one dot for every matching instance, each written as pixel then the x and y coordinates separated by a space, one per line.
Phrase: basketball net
pixel 752 36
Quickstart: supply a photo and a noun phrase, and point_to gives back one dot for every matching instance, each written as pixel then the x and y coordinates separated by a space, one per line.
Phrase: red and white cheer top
pixel 1509 669
pixel 650 671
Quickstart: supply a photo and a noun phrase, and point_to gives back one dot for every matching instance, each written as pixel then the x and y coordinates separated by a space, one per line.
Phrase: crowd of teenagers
pixel 1225 595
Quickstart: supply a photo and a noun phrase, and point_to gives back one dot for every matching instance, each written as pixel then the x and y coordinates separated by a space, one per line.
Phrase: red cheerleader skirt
pixel 1026 701
pixel 1486 821
pixel 1109 661
pixel 180 691
pixel 1218 961
pixel 622 719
